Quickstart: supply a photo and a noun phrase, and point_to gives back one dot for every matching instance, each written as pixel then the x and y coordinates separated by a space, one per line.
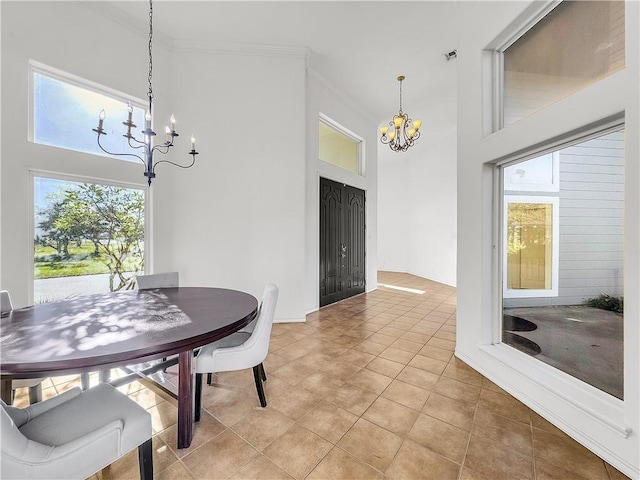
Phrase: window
pixel 575 44
pixel 88 237
pixel 562 259
pixel 339 147
pixel 65 109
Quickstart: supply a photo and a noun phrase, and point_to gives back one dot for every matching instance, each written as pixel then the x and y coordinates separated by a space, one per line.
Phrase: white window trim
pixel 345 131
pixel 33 173
pixel 57 74
pixel 555 247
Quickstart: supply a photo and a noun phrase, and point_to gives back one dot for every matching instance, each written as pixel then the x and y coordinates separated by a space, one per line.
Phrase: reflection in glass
pixel 563 262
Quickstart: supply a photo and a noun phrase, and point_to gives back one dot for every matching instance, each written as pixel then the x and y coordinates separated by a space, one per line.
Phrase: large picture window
pixel 88 237
pixel 562 260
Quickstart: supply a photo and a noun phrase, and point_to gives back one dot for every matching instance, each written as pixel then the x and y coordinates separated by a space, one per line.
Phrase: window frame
pixel 555 246
pixel 76 81
pixel 347 133
pixel 37 173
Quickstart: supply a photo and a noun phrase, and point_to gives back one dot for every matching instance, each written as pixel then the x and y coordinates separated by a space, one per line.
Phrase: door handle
pixel 343 247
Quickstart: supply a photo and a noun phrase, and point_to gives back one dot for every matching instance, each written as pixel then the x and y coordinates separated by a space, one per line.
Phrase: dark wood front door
pixel 342 241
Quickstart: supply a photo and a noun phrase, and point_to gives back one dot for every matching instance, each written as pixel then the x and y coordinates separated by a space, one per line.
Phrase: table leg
pixel 185 399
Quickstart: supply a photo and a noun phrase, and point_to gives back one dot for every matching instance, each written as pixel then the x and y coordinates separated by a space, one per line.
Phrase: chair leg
pixel 264 374
pixel 6 392
pixel 198 404
pixel 209 378
pixel 35 394
pixel 145 460
pixel 257 376
pixel 105 376
pixel 84 381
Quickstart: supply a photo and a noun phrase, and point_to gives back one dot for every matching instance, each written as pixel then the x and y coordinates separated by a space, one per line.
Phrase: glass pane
pixel 529 245
pixel 339 149
pixel 64 115
pixel 576 44
pixel 88 238
pixel 563 265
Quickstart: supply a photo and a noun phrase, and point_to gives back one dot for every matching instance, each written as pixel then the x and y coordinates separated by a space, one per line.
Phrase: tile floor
pixel 366 389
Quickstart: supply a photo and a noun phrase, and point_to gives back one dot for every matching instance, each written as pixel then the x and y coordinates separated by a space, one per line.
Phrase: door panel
pixel 342 241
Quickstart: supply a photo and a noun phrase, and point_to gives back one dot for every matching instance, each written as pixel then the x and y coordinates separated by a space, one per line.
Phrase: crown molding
pixel 315 77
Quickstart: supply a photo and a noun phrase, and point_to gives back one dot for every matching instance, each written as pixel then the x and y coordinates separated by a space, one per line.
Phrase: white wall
pixel 417 202
pixel 72 38
pixel 606 425
pixel 326 99
pixel 237 219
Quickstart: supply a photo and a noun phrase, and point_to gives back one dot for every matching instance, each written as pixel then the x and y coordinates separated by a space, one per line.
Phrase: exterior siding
pixel 591 223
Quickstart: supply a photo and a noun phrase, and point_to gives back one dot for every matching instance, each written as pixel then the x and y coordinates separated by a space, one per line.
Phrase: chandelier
pixel 146 144
pixel 405 131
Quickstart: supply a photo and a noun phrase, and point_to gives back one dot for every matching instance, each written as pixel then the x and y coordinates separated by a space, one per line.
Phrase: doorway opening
pixel 342 241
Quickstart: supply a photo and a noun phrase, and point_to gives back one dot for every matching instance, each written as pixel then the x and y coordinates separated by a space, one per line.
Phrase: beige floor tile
pixel 382 339
pixel 539 422
pixel 407 346
pixel 515 435
pixel 414 461
pixel 568 454
pixel 396 355
pixel 357 357
pixel 260 468
pixel 416 337
pixel 616 474
pixel 462 372
pixel 229 404
pixel 494 461
pixel 298 451
pixel 340 370
pixel 163 415
pixel 262 427
pixel 440 437
pixel 293 373
pixel 371 443
pixel 505 405
pixel 220 456
pixel 455 412
pixel 451 388
pixel 125 468
pixel 419 378
pixel 547 471
pixel 385 367
pixel 294 403
pixel 391 415
pixel 406 394
pixel 328 421
pixel 392 331
pixel 176 471
pixel 371 381
pixel 370 347
pixel 340 465
pixel 321 385
pixel 203 431
pixel 353 399
pixel 467 474
pixel 428 364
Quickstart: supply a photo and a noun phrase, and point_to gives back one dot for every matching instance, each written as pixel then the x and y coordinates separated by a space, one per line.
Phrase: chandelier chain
pixel 150 94
pixel 400 97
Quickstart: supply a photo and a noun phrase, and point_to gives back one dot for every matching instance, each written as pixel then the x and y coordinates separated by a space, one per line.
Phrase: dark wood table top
pixel 112 329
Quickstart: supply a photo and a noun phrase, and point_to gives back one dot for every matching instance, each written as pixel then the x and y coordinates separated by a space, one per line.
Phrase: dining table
pixel 103 331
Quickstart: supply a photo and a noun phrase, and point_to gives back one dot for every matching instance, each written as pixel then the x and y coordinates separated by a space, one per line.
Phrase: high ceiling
pixel 358 47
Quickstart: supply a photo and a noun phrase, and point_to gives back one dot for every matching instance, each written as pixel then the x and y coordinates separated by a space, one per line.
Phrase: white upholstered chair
pixel 9 386
pixel 74 435
pixel 240 350
pixel 158 280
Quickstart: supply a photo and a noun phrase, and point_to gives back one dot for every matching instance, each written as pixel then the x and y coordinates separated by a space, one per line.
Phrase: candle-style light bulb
pixel 417 124
pixel 172 121
pixel 101 119
pixel 147 118
pixel 383 130
pixel 412 132
pixel 397 121
pixel 392 135
pixel 169 137
pixel 193 142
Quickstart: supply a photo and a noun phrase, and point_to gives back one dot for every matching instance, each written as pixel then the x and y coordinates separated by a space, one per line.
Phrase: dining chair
pixel 158 280
pixel 74 435
pixel 8 387
pixel 240 350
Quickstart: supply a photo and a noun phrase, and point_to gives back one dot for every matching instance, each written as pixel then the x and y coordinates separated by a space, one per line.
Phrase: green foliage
pixel 90 229
pixel 607 302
